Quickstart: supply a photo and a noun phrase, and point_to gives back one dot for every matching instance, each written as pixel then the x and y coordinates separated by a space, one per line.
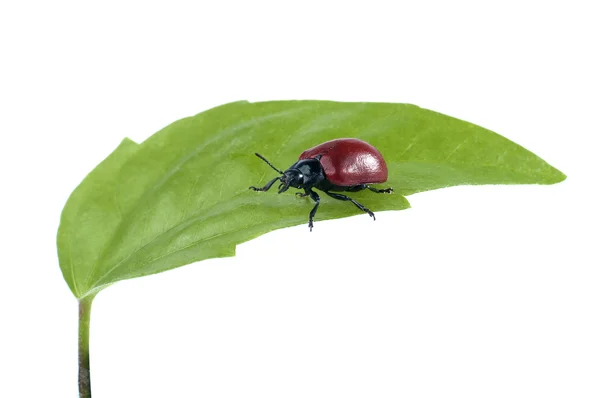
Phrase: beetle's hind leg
pixel 385 190
pixel 347 198
pixel 360 187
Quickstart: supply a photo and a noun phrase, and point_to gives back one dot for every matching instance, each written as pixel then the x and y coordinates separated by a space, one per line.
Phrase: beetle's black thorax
pixel 310 173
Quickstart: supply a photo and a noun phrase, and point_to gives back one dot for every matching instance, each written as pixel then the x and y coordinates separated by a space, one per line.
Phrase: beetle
pixel 340 165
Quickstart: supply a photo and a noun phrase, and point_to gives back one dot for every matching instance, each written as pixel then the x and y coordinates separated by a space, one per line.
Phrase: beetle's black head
pixel 291 178
pixel 305 173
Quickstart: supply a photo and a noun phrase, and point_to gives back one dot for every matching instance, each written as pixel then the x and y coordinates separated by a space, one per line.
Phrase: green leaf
pixel 89 218
pixel 182 196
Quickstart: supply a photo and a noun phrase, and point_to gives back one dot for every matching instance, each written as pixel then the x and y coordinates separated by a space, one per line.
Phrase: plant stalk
pixel 85 309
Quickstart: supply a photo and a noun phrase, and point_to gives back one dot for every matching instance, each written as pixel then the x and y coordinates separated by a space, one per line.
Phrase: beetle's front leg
pixel 266 187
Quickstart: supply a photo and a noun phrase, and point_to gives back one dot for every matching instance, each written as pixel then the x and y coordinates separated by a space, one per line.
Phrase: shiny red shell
pixel 349 161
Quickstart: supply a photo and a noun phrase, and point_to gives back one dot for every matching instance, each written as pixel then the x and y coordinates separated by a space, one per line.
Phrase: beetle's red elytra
pixel 340 165
pixel 349 162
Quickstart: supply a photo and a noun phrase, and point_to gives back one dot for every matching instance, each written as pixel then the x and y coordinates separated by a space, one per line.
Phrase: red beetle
pixel 343 165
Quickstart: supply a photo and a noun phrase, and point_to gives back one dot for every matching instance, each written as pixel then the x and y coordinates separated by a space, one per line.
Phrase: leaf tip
pixel 128 141
pixel 555 176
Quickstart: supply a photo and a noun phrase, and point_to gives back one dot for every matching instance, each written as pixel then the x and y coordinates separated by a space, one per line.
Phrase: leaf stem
pixel 85 309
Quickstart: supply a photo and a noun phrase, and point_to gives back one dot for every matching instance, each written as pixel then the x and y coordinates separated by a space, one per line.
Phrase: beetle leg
pixel 266 187
pixel 344 197
pixel 385 190
pixel 360 187
pixel 301 195
pixel 314 196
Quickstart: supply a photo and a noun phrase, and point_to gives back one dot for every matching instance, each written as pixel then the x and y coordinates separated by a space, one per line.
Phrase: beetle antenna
pixel 269 163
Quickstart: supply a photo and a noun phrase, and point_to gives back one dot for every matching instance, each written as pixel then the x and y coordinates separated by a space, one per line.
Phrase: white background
pixel 474 292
